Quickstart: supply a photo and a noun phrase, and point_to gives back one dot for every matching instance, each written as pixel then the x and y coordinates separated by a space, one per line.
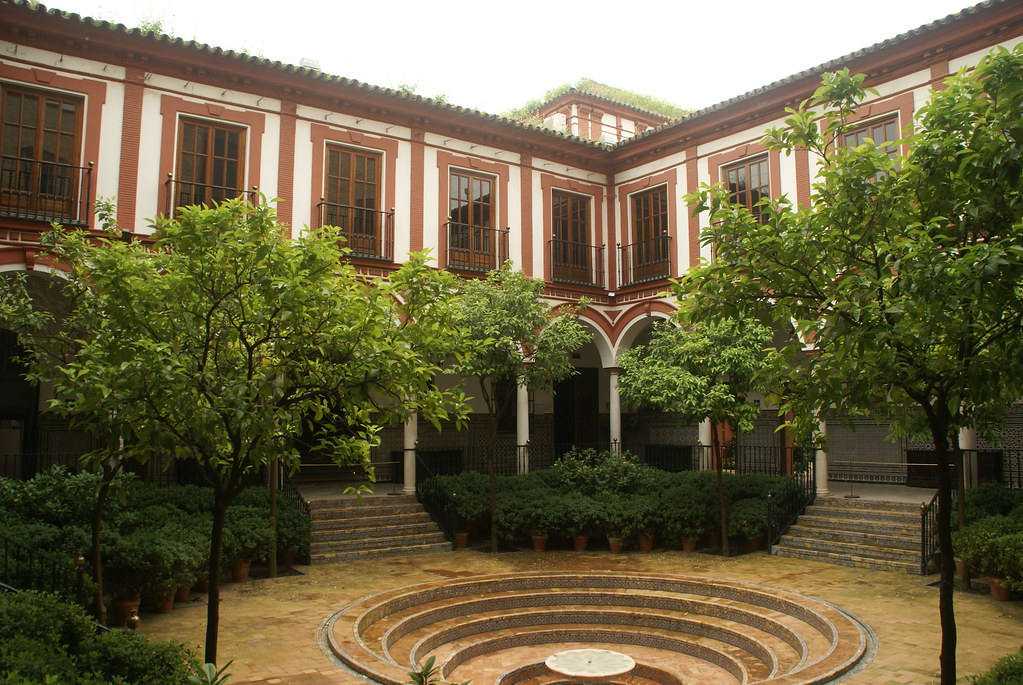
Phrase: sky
pixel 494 56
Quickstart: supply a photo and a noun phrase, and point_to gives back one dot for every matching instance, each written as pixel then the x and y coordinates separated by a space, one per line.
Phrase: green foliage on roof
pixel 527 113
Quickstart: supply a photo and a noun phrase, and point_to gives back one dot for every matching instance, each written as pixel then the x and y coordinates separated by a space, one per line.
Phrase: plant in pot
pixel 614 520
pixel 974 544
pixel 642 519
pixel 1008 554
pixel 132 565
pixel 748 517
pixel 540 517
pixel 685 515
pixel 467 503
pixel 293 532
pixel 247 538
pixel 579 517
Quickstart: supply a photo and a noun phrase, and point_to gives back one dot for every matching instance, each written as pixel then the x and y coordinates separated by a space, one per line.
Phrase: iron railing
pixel 368 233
pixel 179 193
pixel 475 248
pixel 23 466
pixel 577 263
pixel 791 501
pixel 646 260
pixel 36 190
pixel 25 568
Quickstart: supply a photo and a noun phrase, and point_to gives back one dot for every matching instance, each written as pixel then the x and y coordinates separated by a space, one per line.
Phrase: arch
pixel 600 338
pixel 639 319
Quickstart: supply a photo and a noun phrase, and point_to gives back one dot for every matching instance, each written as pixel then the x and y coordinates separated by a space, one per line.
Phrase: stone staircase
pixel 863 533
pixel 381 526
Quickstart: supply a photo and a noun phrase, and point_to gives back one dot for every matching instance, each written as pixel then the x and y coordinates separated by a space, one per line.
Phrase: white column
pixel 968 443
pixel 821 469
pixel 706 437
pixel 411 438
pixel 522 427
pixel 615 408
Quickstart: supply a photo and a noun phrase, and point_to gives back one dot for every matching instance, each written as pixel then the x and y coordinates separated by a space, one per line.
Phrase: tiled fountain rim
pixel 727 612
pixel 520 673
pixel 852 659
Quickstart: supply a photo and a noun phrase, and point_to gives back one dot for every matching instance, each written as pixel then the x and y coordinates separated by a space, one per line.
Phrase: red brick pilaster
pixel 131 141
pixel 416 194
pixel 526 208
pixel 286 164
pixel 693 223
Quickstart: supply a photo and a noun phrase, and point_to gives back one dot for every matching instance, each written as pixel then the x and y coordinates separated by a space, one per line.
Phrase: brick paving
pixel 269 627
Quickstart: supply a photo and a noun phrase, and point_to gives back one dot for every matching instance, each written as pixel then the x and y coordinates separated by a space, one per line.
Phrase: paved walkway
pixel 268 627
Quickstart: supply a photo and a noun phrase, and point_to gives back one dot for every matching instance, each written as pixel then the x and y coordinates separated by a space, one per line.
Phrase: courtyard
pixel 269 628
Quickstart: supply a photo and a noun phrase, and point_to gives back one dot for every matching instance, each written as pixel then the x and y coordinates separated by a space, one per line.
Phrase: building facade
pixel 94 110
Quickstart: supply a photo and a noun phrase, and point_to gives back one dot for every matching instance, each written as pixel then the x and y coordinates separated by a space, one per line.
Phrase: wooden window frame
pixel 44 199
pixel 210 193
pixel 763 164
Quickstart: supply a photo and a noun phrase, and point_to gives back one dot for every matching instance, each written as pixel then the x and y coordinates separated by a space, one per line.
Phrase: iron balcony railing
pixel 791 500
pixel 646 260
pixel 368 233
pixel 22 567
pixel 577 263
pixel 475 248
pixel 37 190
pixel 179 193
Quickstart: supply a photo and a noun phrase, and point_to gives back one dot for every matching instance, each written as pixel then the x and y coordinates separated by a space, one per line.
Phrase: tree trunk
pixel 492 475
pixel 272 469
pixel 213 598
pixel 939 422
pixel 719 466
pixel 97 559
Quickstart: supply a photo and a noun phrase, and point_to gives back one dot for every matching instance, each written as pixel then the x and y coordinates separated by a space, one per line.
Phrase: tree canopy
pixel 225 340
pixel 901 282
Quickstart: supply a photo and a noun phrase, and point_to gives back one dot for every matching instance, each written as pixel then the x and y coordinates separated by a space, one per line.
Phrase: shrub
pixel 247 535
pixel 590 472
pixel 135 564
pixel 44 640
pixel 579 514
pixel 686 511
pixel 974 542
pixel 1007 671
pixel 989 499
pixel 748 517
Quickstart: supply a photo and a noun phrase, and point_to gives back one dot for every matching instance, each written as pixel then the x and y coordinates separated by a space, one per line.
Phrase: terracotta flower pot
pixel 615 544
pixel 688 544
pixel 998 589
pixel 461 540
pixel 121 610
pixel 755 543
pixel 240 572
pixel 183 594
pixel 165 604
pixel 203 584
pixel 579 542
pixel 646 542
pixel 539 543
pixel 713 538
pixel 288 557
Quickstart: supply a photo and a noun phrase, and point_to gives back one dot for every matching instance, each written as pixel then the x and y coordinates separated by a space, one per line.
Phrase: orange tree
pixel 903 274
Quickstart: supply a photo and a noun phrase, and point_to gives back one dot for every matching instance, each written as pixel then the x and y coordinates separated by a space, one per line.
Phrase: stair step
pixel 842 559
pixel 864 514
pixel 852 549
pixel 350 521
pixel 873 504
pixel 908 541
pixel 331 511
pixel 328 557
pixel 370 542
pixel 846 524
pixel 355 532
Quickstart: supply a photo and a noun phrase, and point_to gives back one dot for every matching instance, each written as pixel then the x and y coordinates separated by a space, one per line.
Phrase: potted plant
pixel 975 545
pixel 613 519
pixel 685 515
pixel 642 519
pixel 467 503
pixel 133 564
pixel 293 532
pixel 247 537
pixel 540 516
pixel 579 516
pixel 748 518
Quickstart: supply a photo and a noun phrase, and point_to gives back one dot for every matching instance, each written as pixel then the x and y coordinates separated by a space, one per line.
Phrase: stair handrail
pixel 928 533
pixel 791 509
pixel 44 571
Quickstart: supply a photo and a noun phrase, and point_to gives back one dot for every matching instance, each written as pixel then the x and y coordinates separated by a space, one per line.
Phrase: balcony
pixel 368 233
pixel 187 193
pixel 35 190
pixel 475 248
pixel 577 263
pixel 643 261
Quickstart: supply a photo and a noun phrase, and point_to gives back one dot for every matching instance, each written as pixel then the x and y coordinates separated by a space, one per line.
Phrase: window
pixel 40 176
pixel 749 182
pixel 473 240
pixel 647 258
pixel 572 256
pixel 882 132
pixel 352 199
pixel 211 162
